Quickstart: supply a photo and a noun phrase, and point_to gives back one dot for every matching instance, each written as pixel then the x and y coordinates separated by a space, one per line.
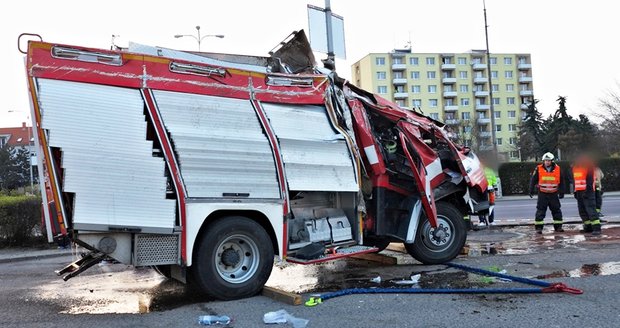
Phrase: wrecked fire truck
pixel 208 167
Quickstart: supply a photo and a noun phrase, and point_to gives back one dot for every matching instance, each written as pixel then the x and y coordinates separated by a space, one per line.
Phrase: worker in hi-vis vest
pixel 547 179
pixel 583 177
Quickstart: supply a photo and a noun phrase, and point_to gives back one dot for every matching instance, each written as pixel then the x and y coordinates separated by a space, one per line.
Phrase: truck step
pixel 336 253
pixel 77 267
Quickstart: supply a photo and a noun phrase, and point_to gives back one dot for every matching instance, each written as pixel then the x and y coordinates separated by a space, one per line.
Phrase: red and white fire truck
pixel 211 166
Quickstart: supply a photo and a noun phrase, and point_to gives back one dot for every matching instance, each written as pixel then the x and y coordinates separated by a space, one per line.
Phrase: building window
pixel 499 141
pixel 430 74
pixel 463 74
pixel 508 74
pixel 400 103
pixel 381 75
pixel 510 100
pixel 495 101
pixel 507 60
pixel 510 87
pixel 380 61
pixel 512 128
pixel 495 87
pixel 522 60
pixel 434 116
pixel 462 61
pixel 432 103
pixel 415 75
pixel 449 102
pixel 398 75
pixel 397 60
pixel 465 115
pixel 476 60
pixel 493 60
pixel 512 141
pixel 464 101
pixel 430 60
pixel 467 143
pixel 493 74
pixel 464 88
pixel 498 128
pixel 415 89
pixel 414 61
pixel 382 89
pixel 416 102
pixel 432 89
pixel 498 114
pixel 514 154
pixel 512 114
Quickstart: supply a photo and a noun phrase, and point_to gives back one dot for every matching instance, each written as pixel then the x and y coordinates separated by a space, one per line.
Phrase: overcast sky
pixel 574 44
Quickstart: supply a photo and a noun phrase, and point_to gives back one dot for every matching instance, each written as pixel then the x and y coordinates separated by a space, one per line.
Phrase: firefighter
pixel 583 177
pixel 492 182
pixel 598 192
pixel 547 178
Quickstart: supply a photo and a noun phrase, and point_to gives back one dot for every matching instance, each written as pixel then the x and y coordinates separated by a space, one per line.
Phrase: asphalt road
pixel 523 209
pixel 114 295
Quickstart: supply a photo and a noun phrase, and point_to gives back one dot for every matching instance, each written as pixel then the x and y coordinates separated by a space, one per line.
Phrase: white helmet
pixel 547 157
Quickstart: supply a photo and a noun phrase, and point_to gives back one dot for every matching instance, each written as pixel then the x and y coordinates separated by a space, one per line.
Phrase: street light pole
pixel 492 108
pixel 198 38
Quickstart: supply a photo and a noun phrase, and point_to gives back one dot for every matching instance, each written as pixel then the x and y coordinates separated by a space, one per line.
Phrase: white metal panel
pixel 220 145
pixel 316 157
pixel 107 161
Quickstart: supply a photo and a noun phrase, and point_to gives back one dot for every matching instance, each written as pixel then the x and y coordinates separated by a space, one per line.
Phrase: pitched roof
pixel 18 136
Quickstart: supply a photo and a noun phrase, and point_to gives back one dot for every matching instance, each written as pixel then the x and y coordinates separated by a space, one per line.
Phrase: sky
pixel 573 44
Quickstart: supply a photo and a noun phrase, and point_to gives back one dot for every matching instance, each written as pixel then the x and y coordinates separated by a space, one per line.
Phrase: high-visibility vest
pixel 548 182
pixel 579 175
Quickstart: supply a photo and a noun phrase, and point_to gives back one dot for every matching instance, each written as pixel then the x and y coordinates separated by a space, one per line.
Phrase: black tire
pixel 429 250
pixel 378 242
pixel 233 259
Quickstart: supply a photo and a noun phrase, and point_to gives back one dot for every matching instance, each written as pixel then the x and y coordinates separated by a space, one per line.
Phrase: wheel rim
pixel 440 238
pixel 237 259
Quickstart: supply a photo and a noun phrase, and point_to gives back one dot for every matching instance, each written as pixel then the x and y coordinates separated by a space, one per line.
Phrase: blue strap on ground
pixel 547 287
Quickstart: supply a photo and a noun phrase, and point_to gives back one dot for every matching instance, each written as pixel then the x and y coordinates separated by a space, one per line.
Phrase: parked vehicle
pixel 207 166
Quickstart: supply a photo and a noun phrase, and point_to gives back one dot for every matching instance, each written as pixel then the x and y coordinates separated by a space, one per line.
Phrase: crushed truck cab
pixel 208 166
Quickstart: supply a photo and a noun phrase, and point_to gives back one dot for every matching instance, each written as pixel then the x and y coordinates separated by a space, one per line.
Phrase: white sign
pixel 317 26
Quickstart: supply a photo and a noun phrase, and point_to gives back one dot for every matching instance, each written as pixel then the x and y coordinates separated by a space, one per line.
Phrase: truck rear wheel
pixel 234 258
pixel 441 244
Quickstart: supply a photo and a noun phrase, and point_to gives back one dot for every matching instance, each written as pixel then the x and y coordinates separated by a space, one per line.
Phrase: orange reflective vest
pixel 579 175
pixel 548 182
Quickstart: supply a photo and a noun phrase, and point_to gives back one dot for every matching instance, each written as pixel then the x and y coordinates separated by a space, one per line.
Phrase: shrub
pixel 19 216
pixel 515 177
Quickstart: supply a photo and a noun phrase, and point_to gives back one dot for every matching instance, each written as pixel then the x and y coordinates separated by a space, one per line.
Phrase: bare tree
pixel 610 118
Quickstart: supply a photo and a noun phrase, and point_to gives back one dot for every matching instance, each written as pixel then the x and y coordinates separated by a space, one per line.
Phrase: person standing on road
pixel 547 178
pixel 583 177
pixel 492 182
pixel 598 191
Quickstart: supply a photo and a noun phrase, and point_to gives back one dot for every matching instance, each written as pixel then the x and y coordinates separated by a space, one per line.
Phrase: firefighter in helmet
pixel 584 179
pixel 547 179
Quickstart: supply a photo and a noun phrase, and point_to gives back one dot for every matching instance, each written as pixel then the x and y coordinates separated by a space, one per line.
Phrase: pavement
pixel 13 254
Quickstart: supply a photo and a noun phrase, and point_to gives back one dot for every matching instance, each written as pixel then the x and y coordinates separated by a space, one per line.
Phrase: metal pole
pixel 330 39
pixel 486 34
pixel 30 156
pixel 198 29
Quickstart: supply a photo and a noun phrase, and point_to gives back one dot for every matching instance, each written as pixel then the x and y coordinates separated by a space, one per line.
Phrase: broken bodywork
pixel 208 165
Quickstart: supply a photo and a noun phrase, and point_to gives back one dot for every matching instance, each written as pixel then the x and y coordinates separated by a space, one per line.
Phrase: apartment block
pixel 457 89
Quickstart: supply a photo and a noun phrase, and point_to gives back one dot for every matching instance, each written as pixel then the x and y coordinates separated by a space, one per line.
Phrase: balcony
pixel 526 93
pixel 481 93
pixel 450 108
pixel 483 107
pixel 524 66
pixel 448 67
pixel 400 95
pixel 399 81
pixel 481 80
pixel 449 94
pixel 478 66
pixel 484 120
pixel 448 80
pixel 524 106
pixel 485 134
pixel 452 121
pixel 525 79
pixel 399 67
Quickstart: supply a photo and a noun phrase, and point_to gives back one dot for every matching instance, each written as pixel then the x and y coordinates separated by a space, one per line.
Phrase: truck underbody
pixel 206 166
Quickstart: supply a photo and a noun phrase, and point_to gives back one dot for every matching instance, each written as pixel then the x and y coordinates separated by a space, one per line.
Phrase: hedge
pixel 515 177
pixel 19 216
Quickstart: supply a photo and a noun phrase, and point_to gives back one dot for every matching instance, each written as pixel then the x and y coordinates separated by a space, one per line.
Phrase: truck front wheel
pixel 234 258
pixel 441 244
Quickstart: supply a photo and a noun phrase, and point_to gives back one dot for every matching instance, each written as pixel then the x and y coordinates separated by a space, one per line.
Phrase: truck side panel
pixel 107 162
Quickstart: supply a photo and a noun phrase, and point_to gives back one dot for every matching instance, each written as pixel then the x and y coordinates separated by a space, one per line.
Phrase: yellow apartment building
pixel 458 90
